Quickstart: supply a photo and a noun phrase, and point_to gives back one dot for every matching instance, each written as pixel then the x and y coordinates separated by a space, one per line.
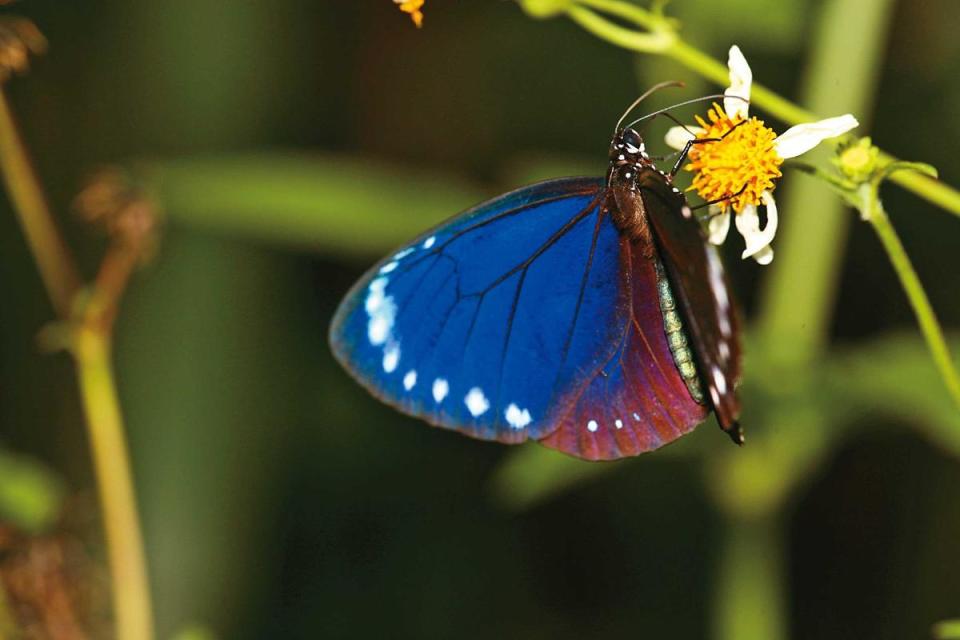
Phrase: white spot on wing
pixel 382 312
pixel 592 426
pixel 391 357
pixel 390 266
pixel 724 351
pixel 516 418
pixel 410 379
pixel 619 423
pixel 375 296
pixel 476 402
pixel 636 417
pixel 720 381
pixel 400 255
pixel 381 322
pixel 429 242
pixel 440 389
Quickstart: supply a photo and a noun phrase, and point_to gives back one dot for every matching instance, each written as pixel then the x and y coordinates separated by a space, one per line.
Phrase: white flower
pixel 747 161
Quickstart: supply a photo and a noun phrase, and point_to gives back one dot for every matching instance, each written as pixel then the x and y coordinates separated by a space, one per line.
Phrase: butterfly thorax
pixel 629 167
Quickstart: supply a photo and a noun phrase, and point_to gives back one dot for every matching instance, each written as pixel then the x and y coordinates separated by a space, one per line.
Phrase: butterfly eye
pixel 632 141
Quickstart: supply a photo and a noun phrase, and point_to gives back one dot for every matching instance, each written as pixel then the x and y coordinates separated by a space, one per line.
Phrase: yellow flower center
pixel 743 162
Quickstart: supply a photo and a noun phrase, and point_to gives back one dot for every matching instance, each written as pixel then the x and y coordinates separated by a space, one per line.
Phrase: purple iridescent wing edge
pixel 634 401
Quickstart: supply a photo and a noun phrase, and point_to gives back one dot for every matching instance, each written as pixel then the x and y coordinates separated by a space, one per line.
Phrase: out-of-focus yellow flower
pixel 413 8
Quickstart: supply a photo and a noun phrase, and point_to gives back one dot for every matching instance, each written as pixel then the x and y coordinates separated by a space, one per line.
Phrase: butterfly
pixel 589 314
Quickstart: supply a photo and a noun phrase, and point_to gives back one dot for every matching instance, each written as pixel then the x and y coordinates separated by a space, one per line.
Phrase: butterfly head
pixel 627 148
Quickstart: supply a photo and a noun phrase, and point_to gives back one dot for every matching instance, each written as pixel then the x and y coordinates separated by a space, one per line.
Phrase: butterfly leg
pixel 719 200
pixel 690 143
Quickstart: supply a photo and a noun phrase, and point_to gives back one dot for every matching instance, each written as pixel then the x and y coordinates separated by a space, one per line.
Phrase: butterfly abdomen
pixel 677 336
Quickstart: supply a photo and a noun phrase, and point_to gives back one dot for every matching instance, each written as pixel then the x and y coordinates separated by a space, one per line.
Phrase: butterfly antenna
pixel 677 122
pixel 646 94
pixel 685 103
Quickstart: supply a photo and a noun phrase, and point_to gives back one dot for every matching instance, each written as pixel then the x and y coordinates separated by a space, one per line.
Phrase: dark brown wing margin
pixel 702 290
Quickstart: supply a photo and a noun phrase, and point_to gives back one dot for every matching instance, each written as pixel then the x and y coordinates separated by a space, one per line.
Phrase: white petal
pixel 803 137
pixel 741 77
pixel 764 256
pixel 748 224
pixel 677 137
pixel 719 225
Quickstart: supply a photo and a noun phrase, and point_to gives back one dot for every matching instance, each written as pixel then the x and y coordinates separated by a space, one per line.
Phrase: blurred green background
pixel 294 141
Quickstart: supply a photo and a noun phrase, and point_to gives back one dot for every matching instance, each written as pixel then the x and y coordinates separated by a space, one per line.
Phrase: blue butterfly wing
pixel 528 317
pixel 475 326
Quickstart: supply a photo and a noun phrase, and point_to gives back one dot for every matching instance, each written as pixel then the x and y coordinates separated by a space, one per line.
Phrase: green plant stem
pixel 131 592
pixel 131 595
pixel 749 593
pixel 929 325
pixel 57 269
pixel 615 34
pixel 660 38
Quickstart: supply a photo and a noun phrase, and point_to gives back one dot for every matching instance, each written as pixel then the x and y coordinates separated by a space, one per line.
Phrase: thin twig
pixel 57 267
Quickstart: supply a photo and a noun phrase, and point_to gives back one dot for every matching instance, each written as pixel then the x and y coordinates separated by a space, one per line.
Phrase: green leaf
pixel 532 474
pixel 339 205
pixel 903 165
pixel 895 376
pixel 947 630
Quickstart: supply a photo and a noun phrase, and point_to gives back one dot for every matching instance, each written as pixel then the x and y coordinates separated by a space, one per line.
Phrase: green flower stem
pixel 615 34
pixel 875 214
pixel 60 275
pixel 659 37
pixel 932 190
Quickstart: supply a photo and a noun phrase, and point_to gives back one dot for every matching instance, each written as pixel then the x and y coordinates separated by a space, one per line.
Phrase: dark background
pixel 278 499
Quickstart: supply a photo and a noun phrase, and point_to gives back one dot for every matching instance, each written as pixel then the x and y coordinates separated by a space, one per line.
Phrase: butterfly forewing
pixel 702 290
pixel 467 326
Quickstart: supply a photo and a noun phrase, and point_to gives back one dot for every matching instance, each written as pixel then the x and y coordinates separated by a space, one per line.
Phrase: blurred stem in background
pixel 85 328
